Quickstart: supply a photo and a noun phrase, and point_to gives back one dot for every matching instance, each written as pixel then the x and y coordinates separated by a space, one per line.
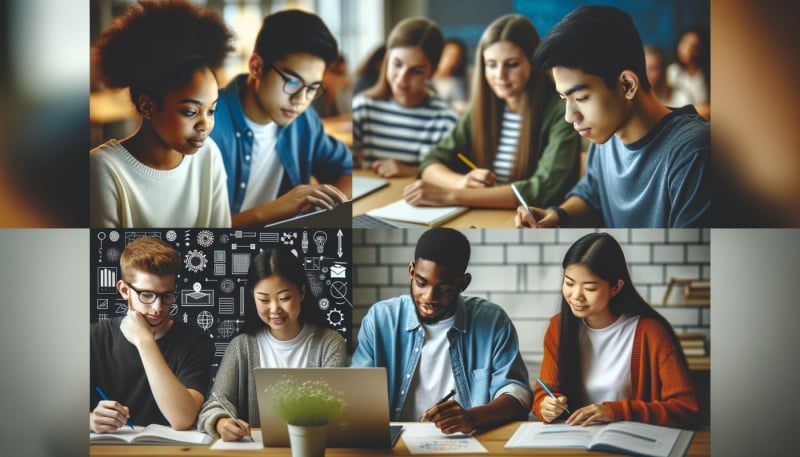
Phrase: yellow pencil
pixel 467 161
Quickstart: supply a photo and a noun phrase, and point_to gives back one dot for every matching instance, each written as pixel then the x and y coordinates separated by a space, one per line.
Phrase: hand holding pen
pixel 240 429
pixel 559 404
pixel 476 177
pixel 108 415
pixel 451 417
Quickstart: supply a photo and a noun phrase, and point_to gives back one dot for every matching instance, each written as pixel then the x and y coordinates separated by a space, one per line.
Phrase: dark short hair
pixel 295 32
pixel 598 40
pixel 444 246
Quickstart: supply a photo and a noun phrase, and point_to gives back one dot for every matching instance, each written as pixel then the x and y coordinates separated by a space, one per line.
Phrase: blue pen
pixel 105 397
pixel 550 392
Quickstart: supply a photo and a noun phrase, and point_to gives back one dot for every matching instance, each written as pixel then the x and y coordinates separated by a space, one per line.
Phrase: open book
pixel 625 437
pixel 424 215
pixel 152 434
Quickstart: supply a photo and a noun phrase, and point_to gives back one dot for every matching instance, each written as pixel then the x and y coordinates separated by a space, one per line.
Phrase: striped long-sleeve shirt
pixel 384 129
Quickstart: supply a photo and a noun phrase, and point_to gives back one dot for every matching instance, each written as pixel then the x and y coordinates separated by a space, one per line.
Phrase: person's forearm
pixel 501 410
pixel 580 213
pixel 177 403
pixel 486 197
pixel 440 175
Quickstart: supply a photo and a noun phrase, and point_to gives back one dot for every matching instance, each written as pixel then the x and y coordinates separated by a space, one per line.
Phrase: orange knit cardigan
pixel 662 389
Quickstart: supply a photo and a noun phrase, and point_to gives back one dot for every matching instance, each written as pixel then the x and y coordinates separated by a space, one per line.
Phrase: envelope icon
pixel 338 271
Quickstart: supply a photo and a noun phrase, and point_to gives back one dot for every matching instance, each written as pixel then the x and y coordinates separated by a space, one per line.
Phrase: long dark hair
pixel 602 254
pixel 278 261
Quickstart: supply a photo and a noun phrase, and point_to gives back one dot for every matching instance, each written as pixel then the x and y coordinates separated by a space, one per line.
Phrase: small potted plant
pixel 307 407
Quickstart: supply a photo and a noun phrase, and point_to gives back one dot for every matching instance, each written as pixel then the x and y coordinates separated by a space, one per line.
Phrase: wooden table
pixel 492 440
pixel 480 218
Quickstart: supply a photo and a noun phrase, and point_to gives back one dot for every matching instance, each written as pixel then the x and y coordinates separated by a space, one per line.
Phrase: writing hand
pixel 552 408
pixel 479 177
pixel 108 416
pixel 451 417
pixel 229 431
pixel 542 218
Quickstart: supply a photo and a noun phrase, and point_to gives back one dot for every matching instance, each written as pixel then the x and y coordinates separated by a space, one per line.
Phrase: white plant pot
pixel 308 440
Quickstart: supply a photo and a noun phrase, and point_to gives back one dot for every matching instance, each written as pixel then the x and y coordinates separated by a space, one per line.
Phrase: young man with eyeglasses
pixel 152 369
pixel 271 143
pixel 435 340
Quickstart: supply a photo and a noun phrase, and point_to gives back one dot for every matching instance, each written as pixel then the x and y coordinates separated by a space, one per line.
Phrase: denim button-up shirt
pixel 484 351
pixel 303 147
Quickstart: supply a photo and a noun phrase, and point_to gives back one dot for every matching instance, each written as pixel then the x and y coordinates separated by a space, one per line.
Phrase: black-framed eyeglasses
pixel 292 86
pixel 149 297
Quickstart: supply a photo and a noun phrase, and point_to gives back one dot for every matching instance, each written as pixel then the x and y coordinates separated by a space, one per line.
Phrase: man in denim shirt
pixel 271 143
pixel 435 340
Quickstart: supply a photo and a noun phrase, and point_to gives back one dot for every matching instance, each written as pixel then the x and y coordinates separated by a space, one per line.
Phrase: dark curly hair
pixel 156 46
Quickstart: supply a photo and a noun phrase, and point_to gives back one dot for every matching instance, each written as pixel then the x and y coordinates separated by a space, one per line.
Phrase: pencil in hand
pixel 467 161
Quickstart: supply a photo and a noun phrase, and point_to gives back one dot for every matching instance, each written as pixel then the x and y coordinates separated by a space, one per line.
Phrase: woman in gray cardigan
pixel 282 329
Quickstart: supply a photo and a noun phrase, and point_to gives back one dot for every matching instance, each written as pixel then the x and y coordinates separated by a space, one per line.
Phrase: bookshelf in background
pixel 691 292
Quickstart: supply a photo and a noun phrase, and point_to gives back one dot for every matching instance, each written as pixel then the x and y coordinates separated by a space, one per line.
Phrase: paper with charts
pixel 425 438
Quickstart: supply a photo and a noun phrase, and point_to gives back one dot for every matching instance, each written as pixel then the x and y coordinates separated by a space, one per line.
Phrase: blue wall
pixel 660 22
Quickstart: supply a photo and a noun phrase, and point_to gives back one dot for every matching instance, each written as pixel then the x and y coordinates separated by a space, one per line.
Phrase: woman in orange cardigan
pixel 609 356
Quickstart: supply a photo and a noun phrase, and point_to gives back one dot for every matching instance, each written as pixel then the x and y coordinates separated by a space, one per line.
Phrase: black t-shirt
pixel 117 368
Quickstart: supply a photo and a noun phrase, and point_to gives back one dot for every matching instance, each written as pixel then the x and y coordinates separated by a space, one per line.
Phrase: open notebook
pixel 626 437
pixel 152 434
pixel 423 215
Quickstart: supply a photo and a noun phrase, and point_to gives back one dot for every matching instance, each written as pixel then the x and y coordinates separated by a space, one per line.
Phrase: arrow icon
pixel 339 237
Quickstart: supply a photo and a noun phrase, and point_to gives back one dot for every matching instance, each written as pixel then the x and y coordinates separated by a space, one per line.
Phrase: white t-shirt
pixel 606 359
pixel 266 169
pixel 275 353
pixel 433 378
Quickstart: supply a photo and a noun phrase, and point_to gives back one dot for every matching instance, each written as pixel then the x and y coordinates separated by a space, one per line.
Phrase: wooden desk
pixel 493 441
pixel 480 218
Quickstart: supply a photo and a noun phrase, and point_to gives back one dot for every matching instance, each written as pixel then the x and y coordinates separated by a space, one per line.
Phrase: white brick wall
pixel 521 271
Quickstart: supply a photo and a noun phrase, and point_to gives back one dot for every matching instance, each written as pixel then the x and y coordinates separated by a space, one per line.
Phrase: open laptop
pixel 362 423
pixel 339 217
pixel 363 185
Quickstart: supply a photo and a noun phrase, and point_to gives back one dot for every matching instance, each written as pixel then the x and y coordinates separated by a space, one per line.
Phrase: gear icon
pixel 205 238
pixel 195 261
pixel 335 317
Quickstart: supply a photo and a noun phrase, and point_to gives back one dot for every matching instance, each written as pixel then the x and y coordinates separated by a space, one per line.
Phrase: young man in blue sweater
pixel 271 143
pixel 648 165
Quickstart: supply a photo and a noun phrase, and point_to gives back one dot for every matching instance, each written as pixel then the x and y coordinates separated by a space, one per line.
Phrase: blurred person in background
pixel 450 79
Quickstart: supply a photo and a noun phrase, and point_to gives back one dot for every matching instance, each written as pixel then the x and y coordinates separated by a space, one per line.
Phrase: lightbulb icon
pixel 320 238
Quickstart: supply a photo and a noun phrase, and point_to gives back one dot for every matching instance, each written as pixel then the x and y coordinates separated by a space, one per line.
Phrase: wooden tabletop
pixel 479 218
pixel 493 440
